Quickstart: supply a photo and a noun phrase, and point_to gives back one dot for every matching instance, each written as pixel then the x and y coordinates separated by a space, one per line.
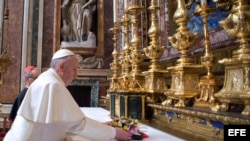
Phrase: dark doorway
pixel 81 94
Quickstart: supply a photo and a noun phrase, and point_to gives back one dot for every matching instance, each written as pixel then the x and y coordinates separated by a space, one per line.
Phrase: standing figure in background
pixel 30 74
pixel 79 16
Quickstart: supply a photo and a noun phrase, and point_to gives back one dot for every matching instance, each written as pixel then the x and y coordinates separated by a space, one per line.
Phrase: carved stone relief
pixel 77 30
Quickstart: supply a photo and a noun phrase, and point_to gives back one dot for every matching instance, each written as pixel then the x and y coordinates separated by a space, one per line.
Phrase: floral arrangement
pixel 130 125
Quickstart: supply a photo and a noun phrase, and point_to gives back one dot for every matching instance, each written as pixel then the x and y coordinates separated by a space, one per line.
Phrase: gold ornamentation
pixel 184 84
pixel 114 65
pixel 236 85
pixel 125 78
pixel 204 114
pixel 207 83
pixel 5 62
pixel 136 56
pixel 155 78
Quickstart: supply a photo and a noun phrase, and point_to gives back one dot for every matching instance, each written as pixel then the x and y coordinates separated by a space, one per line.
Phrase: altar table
pixel 102 115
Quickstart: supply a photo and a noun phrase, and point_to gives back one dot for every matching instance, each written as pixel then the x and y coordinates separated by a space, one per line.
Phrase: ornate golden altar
pixel 194 103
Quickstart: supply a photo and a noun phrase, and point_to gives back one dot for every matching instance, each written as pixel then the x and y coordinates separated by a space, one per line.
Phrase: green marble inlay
pixel 94 89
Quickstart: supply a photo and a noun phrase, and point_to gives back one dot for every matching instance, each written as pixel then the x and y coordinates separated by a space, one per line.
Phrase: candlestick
pixel 115 10
pixel 203 2
pixel 134 2
pixel 125 4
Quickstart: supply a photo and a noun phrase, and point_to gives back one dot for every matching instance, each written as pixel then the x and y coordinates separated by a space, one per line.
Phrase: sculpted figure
pixel 65 31
pixel 91 40
pixel 92 62
pixel 78 14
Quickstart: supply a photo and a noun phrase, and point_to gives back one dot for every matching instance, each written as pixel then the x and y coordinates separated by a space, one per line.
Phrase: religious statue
pixel 77 17
pixel 92 62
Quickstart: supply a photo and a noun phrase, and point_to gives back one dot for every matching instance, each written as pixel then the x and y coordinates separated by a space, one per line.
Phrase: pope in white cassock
pixel 49 112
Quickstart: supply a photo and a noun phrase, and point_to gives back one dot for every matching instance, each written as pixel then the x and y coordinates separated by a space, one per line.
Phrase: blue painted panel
pixel 217 124
pixel 196 25
pixel 170 114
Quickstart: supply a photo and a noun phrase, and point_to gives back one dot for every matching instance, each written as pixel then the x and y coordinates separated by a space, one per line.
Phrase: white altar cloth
pixel 154 134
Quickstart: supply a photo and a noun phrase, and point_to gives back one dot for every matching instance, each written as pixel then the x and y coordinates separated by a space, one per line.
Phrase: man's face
pixel 70 70
pixel 35 74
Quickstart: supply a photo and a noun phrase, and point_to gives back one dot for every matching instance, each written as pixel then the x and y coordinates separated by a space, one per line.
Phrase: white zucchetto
pixel 62 53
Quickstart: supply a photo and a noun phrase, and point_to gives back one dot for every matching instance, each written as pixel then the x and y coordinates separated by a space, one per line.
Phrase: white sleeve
pixel 113 133
pixel 94 130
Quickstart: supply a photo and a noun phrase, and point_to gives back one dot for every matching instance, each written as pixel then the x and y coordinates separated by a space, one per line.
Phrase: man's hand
pixel 122 135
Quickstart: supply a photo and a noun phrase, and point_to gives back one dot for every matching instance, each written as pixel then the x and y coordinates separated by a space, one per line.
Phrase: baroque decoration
pixel 194 96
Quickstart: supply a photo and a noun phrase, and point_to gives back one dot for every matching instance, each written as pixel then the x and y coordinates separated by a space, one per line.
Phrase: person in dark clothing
pixel 30 74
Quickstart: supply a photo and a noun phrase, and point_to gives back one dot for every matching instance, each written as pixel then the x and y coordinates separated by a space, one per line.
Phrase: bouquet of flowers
pixel 130 125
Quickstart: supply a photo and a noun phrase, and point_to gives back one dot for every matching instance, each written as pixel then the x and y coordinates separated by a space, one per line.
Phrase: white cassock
pixel 49 113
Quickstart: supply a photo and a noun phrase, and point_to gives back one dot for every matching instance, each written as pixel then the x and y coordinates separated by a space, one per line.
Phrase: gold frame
pixel 100 27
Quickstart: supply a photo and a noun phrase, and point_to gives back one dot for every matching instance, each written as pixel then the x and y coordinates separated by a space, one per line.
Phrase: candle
pixel 134 2
pixel 203 2
pixel 115 10
pixel 125 4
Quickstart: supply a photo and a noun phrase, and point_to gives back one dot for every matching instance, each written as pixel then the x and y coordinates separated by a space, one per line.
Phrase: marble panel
pixel 94 89
pixel 12 44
